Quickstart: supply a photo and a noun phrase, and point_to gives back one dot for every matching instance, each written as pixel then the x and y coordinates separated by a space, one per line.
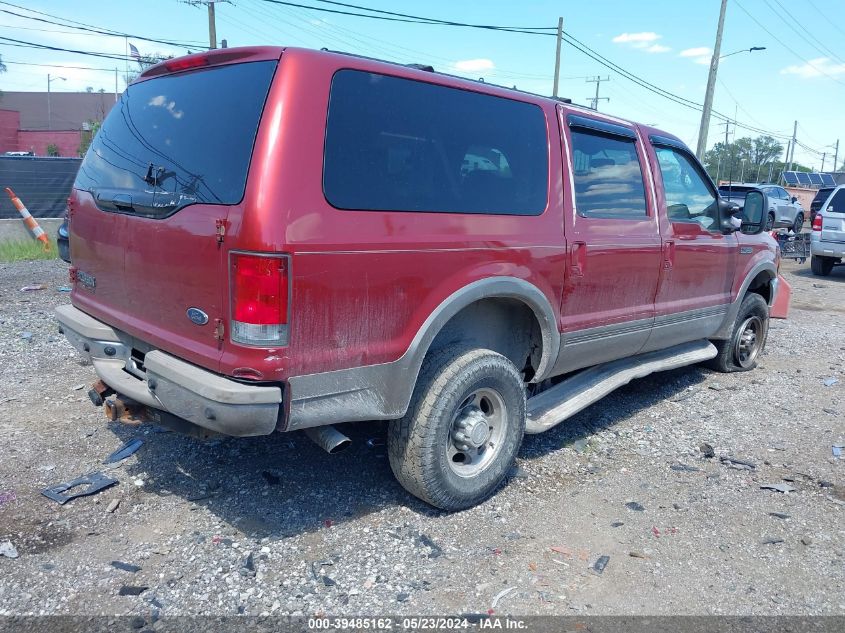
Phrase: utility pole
pixel 711 85
pixel 836 156
pixel 725 151
pixel 595 100
pixel 792 154
pixel 212 22
pixel 824 155
pixel 212 26
pixel 557 56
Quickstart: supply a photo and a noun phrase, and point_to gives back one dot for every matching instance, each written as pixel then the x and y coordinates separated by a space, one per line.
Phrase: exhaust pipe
pixel 328 438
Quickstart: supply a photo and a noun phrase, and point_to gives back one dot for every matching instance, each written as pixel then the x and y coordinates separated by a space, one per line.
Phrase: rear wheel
pixel 821 265
pixel 748 337
pixel 799 223
pixel 463 428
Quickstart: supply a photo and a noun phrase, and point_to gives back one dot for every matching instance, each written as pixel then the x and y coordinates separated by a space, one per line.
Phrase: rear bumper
pixel 167 383
pixel 822 248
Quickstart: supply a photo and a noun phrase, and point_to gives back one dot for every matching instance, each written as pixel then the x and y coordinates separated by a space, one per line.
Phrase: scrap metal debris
pixel 739 464
pixel 128 449
pixel 778 487
pixel 501 595
pixel 32 287
pixel 96 482
pixel 8 550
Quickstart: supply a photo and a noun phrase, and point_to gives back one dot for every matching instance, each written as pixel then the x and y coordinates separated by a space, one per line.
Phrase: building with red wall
pixel 28 125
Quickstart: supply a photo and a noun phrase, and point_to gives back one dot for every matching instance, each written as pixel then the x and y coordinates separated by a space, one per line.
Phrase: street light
pixel 711 82
pixel 49 110
pixel 745 50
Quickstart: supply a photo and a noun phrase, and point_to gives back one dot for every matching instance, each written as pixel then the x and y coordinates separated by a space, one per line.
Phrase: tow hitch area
pixel 98 392
pixel 126 411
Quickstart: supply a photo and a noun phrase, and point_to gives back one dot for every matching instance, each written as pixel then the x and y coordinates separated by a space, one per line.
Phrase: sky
pixel 668 43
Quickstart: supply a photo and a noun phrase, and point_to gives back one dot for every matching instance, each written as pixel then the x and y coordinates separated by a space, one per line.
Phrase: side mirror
pixel 794 199
pixel 727 222
pixel 753 213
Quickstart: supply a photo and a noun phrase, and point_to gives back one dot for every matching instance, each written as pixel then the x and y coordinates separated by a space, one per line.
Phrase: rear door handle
pixel 668 254
pixel 578 258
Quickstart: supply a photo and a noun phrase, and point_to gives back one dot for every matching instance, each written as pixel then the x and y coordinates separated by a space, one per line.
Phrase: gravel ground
pixel 274 525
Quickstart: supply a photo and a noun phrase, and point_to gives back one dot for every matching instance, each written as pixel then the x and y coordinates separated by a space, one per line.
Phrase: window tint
pixel 179 139
pixel 837 202
pixel 401 145
pixel 608 177
pixel 688 197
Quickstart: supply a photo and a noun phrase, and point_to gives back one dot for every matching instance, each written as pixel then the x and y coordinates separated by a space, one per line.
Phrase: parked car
pixel 784 211
pixel 821 195
pixel 827 243
pixel 63 241
pixel 272 239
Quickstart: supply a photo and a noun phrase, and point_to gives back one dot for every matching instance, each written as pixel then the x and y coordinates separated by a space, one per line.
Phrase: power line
pixel 821 48
pixel 831 20
pixel 96 30
pixel 7 61
pixel 780 41
pixel 25 44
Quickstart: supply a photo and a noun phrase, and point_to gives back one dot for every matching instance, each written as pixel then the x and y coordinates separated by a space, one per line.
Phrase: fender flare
pixel 724 331
pixel 492 288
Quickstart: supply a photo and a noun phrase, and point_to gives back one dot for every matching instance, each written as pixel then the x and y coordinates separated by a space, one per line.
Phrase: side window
pixel 784 194
pixel 395 144
pixel 837 202
pixel 608 177
pixel 688 197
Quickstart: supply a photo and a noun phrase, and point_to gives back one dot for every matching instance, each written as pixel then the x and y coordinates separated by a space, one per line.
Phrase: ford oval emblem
pixel 197 316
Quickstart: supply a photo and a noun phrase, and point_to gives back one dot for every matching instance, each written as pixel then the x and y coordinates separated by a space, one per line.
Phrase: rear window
pixel 179 139
pixel 837 202
pixel 821 195
pixel 396 144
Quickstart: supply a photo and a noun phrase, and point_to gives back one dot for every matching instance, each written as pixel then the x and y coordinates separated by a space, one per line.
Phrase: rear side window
pixel 401 145
pixel 837 202
pixel 179 139
pixel 608 176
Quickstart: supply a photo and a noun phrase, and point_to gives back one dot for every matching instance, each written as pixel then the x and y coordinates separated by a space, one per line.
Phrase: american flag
pixel 134 52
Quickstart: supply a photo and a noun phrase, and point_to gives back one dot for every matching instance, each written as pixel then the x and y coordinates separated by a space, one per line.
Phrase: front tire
pixel 748 337
pixel 798 224
pixel 770 222
pixel 464 425
pixel 821 266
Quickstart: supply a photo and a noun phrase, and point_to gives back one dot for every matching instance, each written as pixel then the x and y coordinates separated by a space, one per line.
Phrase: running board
pixel 553 406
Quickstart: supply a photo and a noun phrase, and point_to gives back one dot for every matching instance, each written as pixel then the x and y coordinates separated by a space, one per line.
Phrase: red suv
pixel 269 239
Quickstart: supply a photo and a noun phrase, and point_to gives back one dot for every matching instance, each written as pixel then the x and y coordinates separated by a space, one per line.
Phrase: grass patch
pixel 26 250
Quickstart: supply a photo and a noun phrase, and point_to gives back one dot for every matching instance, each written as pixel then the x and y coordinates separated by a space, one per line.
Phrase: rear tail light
pixel 817 222
pixel 260 288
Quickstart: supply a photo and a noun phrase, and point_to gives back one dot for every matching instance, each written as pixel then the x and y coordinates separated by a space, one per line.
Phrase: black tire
pixel 733 353
pixel 419 444
pixel 821 266
pixel 770 222
pixel 798 224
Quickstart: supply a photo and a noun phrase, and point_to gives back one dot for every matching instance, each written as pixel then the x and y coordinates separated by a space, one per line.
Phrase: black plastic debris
pixel 616 524
pixel 684 468
pixel 779 515
pixel 134 569
pixel 132 590
pixel 600 564
pixel 270 478
pixel 707 450
pixel 124 451
pixel 636 507
pixel 772 541
pixel 739 464
pixel 96 482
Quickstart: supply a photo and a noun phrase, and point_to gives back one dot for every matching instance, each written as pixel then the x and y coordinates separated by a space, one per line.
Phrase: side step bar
pixel 553 406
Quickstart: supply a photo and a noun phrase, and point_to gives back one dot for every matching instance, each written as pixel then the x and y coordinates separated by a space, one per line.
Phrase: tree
pixel 747 159
pixel 2 70
pixel 52 149
pixel 88 136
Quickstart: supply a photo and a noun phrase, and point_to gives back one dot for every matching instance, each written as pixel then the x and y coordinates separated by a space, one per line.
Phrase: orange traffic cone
pixel 37 232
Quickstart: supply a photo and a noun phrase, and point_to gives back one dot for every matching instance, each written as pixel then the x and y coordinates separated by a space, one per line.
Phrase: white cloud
pixel 701 51
pixel 815 68
pixel 633 38
pixel 704 61
pixel 645 41
pixel 474 65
